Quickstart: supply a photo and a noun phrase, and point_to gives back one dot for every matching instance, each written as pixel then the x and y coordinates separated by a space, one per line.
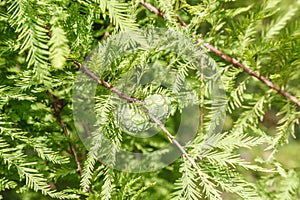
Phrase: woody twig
pixel 227 58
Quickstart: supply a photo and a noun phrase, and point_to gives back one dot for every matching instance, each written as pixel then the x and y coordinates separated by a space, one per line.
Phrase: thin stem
pixel 136 100
pixel 57 104
pixel 263 79
pixel 229 59
pixel 106 84
pixel 174 141
pixel 153 9
pixel 106 33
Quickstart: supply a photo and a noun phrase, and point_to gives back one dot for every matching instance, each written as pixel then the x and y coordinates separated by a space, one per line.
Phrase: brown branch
pixel 106 84
pixel 106 33
pixel 263 79
pixel 58 105
pixel 229 59
pixel 153 9
pixel 136 100
pixel 173 139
